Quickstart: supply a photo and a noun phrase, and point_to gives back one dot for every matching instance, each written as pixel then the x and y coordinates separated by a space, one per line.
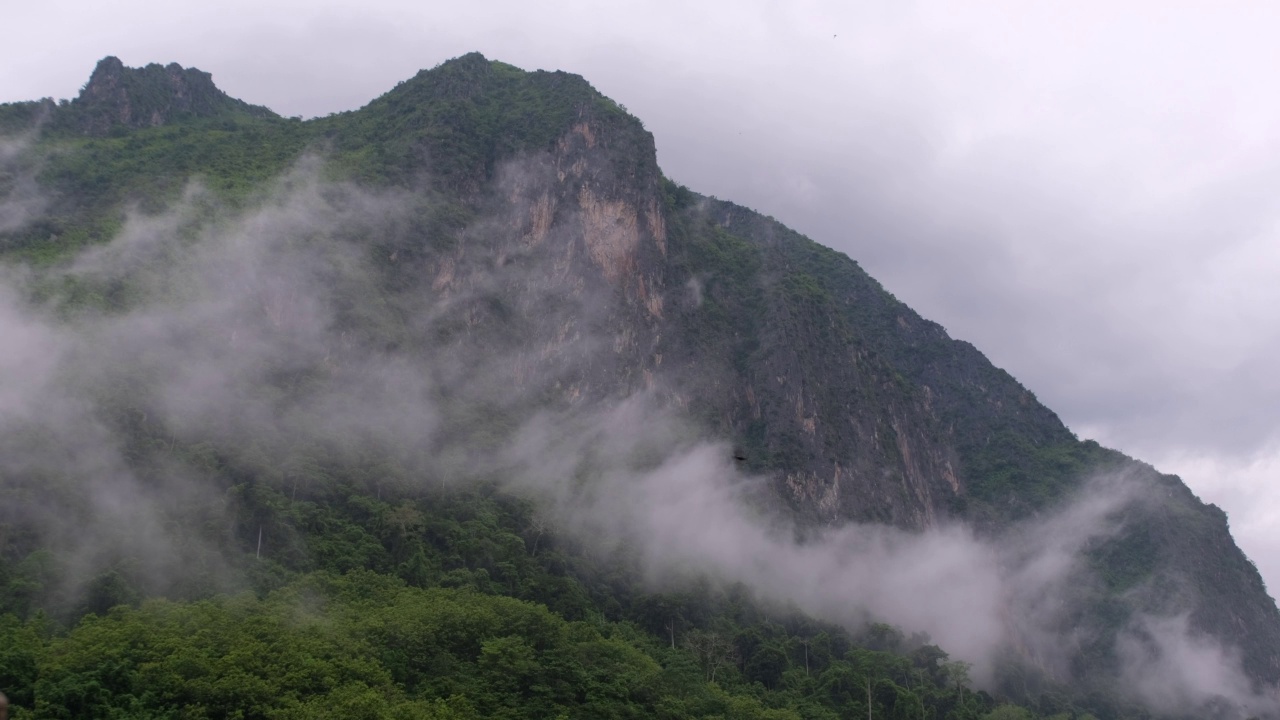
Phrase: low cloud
pixel 631 477
pixel 1175 670
pixel 20 198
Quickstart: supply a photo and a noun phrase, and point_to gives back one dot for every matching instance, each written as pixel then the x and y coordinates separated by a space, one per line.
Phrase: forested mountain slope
pixel 469 339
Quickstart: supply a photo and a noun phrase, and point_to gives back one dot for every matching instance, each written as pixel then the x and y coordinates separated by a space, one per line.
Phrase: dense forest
pixel 456 605
pixel 454 406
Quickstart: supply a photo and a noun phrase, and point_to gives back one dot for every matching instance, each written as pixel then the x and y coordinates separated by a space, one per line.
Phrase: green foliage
pixel 1008 712
pixel 96 181
pixel 1019 476
pixel 457 120
pixel 365 645
pixel 730 295
pixel 20 117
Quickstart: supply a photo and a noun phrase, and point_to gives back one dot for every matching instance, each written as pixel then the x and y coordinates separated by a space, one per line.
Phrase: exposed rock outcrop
pixel 121 97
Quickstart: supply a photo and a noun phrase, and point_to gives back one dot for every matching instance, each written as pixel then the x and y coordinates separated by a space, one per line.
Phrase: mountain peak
pixel 108 65
pixel 118 96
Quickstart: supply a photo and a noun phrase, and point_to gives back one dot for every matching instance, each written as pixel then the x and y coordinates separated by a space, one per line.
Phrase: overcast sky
pixel 1089 191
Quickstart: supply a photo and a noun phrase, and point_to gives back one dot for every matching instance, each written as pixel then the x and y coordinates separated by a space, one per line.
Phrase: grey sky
pixel 1085 191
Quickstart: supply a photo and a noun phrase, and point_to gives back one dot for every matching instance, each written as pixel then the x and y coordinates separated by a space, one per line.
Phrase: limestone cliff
pixel 569 269
pixel 854 406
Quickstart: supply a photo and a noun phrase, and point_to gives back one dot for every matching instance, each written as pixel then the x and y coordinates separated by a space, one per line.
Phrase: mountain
pixel 258 332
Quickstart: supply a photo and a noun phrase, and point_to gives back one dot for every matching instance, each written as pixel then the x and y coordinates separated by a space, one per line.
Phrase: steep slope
pixel 543 240
pixel 856 406
pixel 862 409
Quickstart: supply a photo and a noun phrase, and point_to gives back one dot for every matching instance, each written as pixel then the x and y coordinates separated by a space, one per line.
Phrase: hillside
pixel 461 380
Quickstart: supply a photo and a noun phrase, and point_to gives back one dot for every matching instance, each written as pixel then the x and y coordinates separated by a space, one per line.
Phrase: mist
pixel 20 200
pixel 1171 668
pixel 685 509
pixel 257 336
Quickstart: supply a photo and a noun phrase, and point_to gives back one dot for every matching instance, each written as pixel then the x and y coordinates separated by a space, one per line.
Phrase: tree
pixel 957 672
pixel 713 651
pixel 1008 712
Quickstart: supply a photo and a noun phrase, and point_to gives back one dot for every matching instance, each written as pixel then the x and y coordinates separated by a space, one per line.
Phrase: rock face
pixel 121 97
